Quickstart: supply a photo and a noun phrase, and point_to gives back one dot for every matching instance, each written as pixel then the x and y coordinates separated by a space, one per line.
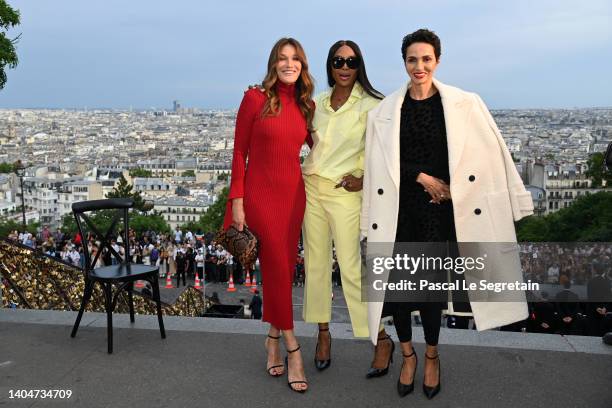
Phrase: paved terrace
pixel 220 363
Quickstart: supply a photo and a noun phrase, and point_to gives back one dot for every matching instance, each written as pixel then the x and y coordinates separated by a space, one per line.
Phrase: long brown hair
pixel 304 85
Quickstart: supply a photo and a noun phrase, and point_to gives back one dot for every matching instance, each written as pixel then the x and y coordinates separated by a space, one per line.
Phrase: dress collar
pixel 285 89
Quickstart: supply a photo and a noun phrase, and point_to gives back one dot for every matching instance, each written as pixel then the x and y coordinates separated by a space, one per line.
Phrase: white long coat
pixel 487 191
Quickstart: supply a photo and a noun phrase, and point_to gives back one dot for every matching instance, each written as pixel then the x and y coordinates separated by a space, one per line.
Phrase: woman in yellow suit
pixel 333 174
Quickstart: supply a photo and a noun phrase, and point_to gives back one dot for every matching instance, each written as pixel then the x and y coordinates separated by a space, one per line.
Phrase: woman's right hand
pixel 238 217
pixel 437 189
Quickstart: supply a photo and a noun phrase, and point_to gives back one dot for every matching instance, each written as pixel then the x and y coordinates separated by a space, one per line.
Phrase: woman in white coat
pixel 438 170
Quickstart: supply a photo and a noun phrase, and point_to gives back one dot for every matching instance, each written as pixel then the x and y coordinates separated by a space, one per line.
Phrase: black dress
pixel 423 149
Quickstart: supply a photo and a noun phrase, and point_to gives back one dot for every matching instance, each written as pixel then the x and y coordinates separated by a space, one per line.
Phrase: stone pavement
pixel 206 362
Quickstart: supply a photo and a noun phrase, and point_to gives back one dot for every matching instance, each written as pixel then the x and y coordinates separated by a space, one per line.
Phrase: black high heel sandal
pixel 379 372
pixel 405 389
pixel 289 383
pixel 431 392
pixel 274 366
pixel 323 364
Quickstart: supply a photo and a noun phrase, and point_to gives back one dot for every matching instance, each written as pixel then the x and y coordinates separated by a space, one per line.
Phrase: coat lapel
pixel 387 124
pixel 455 105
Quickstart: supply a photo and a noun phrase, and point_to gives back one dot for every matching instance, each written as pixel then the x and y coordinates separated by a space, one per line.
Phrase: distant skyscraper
pixel 176 105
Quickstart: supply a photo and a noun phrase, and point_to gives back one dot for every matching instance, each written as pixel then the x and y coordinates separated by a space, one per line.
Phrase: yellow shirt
pixel 339 136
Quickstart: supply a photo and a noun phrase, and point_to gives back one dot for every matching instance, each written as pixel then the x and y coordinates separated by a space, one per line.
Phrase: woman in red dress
pixel 268 194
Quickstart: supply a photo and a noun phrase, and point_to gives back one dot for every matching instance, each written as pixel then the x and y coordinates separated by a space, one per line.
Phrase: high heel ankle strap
pixel 385 337
pixel 324 330
pixel 409 355
pixel 294 350
pixel 275 338
pixel 432 358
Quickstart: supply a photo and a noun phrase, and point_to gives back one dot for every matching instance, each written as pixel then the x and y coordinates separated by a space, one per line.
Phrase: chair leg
pixel 131 301
pixel 157 299
pixel 108 297
pixel 86 296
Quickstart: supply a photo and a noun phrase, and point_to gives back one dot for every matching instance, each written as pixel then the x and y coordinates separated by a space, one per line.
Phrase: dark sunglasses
pixel 351 62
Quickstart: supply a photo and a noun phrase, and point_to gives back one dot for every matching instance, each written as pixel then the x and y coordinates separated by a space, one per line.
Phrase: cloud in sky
pixel 146 53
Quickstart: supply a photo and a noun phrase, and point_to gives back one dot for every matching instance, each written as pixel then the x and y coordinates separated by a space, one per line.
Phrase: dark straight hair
pixel 362 77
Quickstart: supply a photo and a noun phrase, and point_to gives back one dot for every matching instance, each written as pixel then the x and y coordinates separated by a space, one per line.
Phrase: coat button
pixel 374 226
pixel 477 211
pixel 380 191
pixel 472 178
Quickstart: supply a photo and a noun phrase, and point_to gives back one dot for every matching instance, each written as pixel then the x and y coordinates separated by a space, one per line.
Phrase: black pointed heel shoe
pixel 379 372
pixel 268 369
pixel 323 364
pixel 290 383
pixel 405 389
pixel 431 392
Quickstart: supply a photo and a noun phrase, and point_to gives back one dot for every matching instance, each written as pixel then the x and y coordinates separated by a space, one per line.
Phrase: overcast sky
pixel 146 53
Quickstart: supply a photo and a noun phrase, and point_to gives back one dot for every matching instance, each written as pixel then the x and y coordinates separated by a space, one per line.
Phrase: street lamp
pixel 20 171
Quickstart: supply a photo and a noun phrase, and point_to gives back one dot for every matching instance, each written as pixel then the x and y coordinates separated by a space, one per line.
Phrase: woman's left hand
pixel 351 183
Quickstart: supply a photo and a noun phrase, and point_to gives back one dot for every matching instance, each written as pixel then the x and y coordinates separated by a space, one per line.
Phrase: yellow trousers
pixel 332 214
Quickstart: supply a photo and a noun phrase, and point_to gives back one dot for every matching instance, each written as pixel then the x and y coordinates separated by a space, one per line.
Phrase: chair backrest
pixel 99 219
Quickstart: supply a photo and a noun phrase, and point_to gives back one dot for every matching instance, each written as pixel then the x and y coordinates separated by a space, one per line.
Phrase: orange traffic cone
pixel 168 281
pixel 197 281
pixel 231 287
pixel 248 279
pixel 253 284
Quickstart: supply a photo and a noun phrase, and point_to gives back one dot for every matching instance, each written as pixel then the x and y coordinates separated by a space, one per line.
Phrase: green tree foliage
pixel 188 173
pixel 125 190
pixel 7 168
pixel 138 172
pixel 212 219
pixel 9 18
pixel 7 226
pixel 148 222
pixel 588 219
pixel 69 225
pixel 596 170
pixel 222 177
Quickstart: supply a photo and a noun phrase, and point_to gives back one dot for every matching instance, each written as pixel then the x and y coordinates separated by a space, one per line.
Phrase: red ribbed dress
pixel 273 192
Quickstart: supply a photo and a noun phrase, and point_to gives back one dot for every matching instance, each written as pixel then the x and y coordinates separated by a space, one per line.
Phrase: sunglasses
pixel 351 62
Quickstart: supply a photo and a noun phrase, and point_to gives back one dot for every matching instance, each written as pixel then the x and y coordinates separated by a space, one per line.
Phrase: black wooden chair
pixel 123 274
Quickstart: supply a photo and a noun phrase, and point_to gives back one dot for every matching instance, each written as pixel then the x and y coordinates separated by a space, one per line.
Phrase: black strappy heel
pixel 289 383
pixel 379 372
pixel 323 364
pixel 405 389
pixel 274 366
pixel 431 392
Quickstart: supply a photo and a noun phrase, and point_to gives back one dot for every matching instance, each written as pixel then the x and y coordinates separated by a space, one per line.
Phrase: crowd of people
pixel 181 254
pixel 549 262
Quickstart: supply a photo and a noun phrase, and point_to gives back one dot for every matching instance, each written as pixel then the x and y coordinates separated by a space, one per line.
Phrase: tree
pixel 588 219
pixel 7 168
pixel 149 222
pixel 596 170
pixel 124 190
pixel 7 226
pixel 212 219
pixel 8 55
pixel 138 172
pixel 188 173
pixel 69 225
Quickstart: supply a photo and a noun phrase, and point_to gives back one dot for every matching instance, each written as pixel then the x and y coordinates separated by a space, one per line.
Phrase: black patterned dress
pixel 423 149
